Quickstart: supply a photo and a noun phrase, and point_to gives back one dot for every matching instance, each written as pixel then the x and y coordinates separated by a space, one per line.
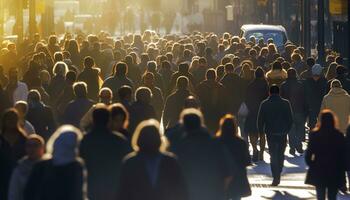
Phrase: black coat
pixel 314 93
pixel 293 90
pixel 233 90
pixel 139 112
pixel 240 158
pixel 115 82
pixel 41 117
pixel 136 183
pixel 91 77
pixel 56 182
pixel 205 164
pixel 326 158
pixel 275 116
pixel 173 107
pixel 257 91
pixel 75 111
pixel 103 152
pixel 6 167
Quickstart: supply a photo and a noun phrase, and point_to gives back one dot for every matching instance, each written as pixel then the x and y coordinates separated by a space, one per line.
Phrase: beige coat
pixel 338 100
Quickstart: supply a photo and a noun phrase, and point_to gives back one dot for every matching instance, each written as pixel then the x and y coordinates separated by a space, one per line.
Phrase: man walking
pixel 275 119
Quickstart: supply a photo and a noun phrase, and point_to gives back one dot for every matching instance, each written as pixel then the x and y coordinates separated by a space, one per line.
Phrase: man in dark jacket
pixel 118 79
pixel 233 89
pixel 40 115
pixel 141 109
pixel 293 90
pixel 90 75
pixel 77 108
pixel 315 89
pixel 175 102
pixel 275 119
pixel 103 152
pixel 203 160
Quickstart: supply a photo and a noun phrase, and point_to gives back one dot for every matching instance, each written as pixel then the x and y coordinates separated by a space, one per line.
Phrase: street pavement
pixel 292 185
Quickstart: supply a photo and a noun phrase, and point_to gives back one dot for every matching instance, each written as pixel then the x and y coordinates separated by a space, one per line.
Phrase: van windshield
pixel 278 37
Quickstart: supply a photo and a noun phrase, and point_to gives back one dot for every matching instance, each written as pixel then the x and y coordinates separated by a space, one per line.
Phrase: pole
pixel 19 21
pixel 320 26
pixel 32 20
pixel 2 19
pixel 306 27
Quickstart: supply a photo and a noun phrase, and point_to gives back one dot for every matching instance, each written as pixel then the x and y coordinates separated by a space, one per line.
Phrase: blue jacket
pixel 275 116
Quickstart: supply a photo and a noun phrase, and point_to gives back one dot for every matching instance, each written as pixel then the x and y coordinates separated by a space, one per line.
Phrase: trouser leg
pixel 321 192
pixel 300 130
pixel 277 147
pixel 332 193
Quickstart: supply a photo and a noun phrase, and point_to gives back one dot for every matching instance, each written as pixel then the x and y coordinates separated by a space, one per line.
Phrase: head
pixel 45 76
pixel 125 93
pixel 100 116
pixel 229 68
pixel 192 119
pixel 22 109
pixel 277 66
pixel 336 84
pixel 119 117
pixel 228 126
pixel 71 77
pixel 191 102
pixel 60 68
pixel 151 66
pixel 327 121
pixel 183 68
pixel 148 79
pixel 120 69
pixel 13 75
pixel 80 89
pixel 274 90
pixel 292 73
pixel 310 62
pixel 105 95
pixel 147 138
pixel 259 73
pixel 143 95
pixel 89 62
pixel 211 74
pixel 63 145
pixel 35 147
pixel 182 83
pixel 34 97
pixel 10 120
pixel 340 70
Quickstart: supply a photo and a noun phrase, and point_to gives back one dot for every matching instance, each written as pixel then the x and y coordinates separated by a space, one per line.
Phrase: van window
pixel 278 37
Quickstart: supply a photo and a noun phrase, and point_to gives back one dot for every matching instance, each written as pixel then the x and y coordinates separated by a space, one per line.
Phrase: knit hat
pixel 317 70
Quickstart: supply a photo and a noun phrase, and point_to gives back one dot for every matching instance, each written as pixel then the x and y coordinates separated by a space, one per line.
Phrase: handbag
pixel 243 110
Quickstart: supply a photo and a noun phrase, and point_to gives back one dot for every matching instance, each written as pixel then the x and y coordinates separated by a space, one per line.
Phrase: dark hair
pixel 259 73
pixel 80 89
pixel 192 121
pixel 310 62
pixel 119 110
pixel 89 62
pixel 71 76
pixel 340 70
pixel 292 73
pixel 277 66
pixel 211 74
pixel 228 126
pixel 100 116
pixel 120 69
pixel 143 94
pixel 34 96
pixel 124 92
pixel 147 138
pixel 183 67
pixel 182 82
pixel 274 89
pixel 327 121
pixel 229 67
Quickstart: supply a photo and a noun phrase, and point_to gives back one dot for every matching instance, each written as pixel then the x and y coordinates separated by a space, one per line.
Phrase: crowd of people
pixel 166 118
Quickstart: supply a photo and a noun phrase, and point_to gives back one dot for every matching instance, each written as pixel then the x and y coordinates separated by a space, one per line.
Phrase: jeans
pixel 331 193
pixel 241 122
pixel 277 145
pixel 297 133
pixel 313 115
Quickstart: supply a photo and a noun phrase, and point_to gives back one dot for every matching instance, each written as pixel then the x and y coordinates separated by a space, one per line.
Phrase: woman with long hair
pixel 239 154
pixel 326 157
pixel 150 172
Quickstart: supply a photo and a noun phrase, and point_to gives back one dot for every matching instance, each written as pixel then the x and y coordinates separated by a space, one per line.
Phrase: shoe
pixel 255 156
pixel 292 152
pixel 276 182
pixel 300 150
